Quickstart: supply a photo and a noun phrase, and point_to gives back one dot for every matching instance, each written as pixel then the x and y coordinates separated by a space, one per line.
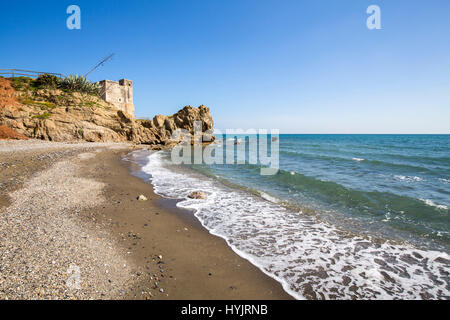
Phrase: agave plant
pixel 80 84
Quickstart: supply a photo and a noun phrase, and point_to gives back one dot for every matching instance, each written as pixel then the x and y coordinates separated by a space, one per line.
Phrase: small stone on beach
pixel 142 198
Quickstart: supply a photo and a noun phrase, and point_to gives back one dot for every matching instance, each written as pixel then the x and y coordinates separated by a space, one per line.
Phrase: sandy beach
pixel 71 227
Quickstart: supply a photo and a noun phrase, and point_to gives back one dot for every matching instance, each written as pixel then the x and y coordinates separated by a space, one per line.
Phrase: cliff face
pixel 162 126
pixel 56 115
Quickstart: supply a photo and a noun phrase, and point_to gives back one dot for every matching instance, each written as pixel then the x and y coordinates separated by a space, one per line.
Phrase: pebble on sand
pixel 142 198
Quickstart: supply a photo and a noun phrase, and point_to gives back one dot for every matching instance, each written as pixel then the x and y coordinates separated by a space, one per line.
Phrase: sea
pixel 345 216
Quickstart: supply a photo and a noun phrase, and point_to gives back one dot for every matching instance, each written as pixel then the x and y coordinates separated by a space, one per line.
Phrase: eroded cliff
pixel 61 115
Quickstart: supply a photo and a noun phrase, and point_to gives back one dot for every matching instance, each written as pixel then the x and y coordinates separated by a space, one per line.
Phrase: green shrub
pixel 70 84
pixel 43 116
pixel 80 84
pixel 47 81
pixel 20 82
pixel 43 104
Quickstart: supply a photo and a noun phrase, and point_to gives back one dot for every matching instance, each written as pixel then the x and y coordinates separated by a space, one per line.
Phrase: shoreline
pixel 71 211
pixel 124 248
pixel 189 217
pixel 196 264
pixel 313 258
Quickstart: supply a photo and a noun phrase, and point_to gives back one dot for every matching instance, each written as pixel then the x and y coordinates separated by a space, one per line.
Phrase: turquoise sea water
pixel 401 182
pixel 346 216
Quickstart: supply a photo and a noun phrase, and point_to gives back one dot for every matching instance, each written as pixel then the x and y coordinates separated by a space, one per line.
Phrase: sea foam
pixel 408 178
pixel 432 204
pixel 310 258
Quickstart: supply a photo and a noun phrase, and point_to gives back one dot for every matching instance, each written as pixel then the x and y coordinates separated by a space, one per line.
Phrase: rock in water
pixel 142 198
pixel 197 195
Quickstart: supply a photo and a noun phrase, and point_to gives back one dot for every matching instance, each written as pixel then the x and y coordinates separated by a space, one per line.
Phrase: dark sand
pixel 194 264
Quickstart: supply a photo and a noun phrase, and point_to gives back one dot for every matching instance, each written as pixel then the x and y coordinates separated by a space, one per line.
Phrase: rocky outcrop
pixel 162 127
pixel 7 93
pixel 10 134
pixel 56 115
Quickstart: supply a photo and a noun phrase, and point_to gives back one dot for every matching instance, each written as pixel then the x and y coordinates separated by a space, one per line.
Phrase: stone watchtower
pixel 120 94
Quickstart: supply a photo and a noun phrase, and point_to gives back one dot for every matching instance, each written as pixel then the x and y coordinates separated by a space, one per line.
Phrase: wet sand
pixel 63 205
pixel 194 264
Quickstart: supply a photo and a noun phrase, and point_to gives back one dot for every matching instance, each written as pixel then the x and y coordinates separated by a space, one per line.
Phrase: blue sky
pixel 298 66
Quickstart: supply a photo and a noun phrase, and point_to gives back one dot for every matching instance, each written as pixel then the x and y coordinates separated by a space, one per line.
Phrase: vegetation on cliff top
pixel 40 109
pixel 72 83
pixel 48 92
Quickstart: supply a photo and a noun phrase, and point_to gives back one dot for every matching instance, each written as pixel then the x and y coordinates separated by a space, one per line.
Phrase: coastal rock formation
pixel 163 126
pixel 7 93
pixel 8 133
pixel 57 115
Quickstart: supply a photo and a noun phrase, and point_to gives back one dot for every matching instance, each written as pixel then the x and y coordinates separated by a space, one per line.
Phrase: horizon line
pixel 309 133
